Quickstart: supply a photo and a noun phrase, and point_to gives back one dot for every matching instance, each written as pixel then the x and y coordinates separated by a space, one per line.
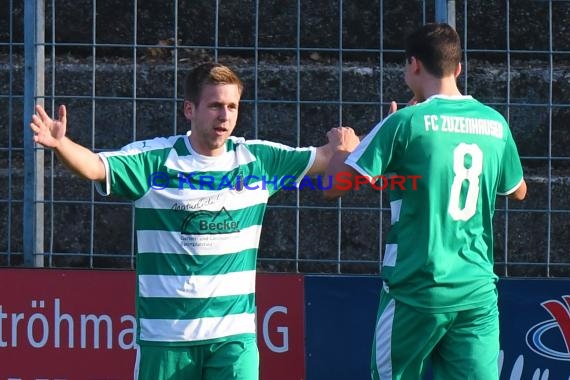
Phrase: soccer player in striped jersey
pixel 438 303
pixel 199 202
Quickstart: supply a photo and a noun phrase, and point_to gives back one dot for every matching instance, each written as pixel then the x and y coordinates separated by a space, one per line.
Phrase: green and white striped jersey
pixel 198 223
pixel 439 252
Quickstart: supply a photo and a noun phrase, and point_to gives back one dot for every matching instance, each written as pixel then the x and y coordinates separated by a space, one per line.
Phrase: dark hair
pixel 437 46
pixel 208 74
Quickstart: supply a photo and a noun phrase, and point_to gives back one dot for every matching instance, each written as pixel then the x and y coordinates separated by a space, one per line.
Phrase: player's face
pixel 213 119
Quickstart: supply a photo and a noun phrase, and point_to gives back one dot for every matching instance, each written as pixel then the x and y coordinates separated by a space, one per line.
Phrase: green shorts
pixel 231 360
pixel 461 345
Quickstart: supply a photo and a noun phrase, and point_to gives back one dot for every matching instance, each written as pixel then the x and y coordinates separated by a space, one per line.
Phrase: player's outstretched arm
pixel 339 139
pixel 339 177
pixel 51 134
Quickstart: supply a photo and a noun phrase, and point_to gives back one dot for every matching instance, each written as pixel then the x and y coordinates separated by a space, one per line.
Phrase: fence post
pixel 33 208
pixel 445 11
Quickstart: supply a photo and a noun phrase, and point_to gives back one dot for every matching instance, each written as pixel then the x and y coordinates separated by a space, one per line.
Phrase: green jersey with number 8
pixel 439 252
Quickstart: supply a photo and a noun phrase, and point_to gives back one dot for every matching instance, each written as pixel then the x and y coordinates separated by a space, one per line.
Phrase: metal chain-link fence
pixel 307 66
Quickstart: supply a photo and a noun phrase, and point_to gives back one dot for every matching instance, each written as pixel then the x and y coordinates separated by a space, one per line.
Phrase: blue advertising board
pixel 340 313
pixel 535 329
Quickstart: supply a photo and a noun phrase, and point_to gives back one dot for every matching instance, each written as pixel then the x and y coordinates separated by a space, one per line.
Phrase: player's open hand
pixel 48 131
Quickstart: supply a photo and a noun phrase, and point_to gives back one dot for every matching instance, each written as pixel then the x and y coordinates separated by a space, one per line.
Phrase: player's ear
pixel 188 109
pixel 458 70
pixel 414 64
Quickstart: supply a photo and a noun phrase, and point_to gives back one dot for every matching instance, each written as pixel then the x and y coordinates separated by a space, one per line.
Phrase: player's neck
pixel 441 86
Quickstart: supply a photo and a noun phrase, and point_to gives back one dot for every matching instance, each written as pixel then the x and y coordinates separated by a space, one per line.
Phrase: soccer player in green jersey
pixel 199 202
pixel 438 303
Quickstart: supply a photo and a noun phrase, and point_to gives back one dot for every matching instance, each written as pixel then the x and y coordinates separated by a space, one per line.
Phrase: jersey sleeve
pixel 511 169
pixel 127 171
pixel 283 165
pixel 376 153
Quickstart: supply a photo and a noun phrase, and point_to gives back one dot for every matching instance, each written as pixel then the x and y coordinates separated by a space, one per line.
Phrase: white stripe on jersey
pixel 104 189
pixel 131 149
pixel 188 199
pixel 145 145
pixel 195 162
pixel 137 362
pixel 211 244
pixel 285 147
pixel 383 336
pixel 276 145
pixel 513 189
pixel 353 157
pixel 395 207
pixel 390 255
pixel 174 330
pixel 229 284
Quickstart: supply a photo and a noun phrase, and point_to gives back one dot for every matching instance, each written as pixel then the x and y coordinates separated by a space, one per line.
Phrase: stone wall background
pixel 525 80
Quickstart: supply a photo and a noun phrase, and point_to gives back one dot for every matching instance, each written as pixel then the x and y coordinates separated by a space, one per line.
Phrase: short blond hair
pixel 208 74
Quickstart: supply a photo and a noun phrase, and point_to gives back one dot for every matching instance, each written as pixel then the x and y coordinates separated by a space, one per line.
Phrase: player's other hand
pixel 343 138
pixel 394 106
pixel 47 131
